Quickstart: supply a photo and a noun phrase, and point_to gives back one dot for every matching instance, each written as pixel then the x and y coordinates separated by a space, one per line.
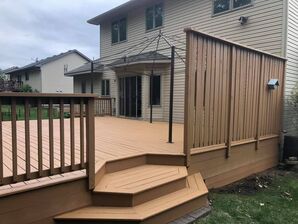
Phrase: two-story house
pixel 127 57
pixel 47 75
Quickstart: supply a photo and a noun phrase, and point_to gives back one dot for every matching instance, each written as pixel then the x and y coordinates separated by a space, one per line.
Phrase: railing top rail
pixel 47 95
pixel 190 29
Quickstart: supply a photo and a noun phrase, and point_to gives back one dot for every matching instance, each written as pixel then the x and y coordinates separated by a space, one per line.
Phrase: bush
pixel 26 89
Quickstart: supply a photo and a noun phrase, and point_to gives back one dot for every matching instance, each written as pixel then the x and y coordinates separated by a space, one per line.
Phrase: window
pixel 105 87
pixel 227 5
pixel 119 32
pixel 65 68
pixel 83 87
pixel 156 90
pixel 26 76
pixel 240 3
pixel 19 78
pixel 154 17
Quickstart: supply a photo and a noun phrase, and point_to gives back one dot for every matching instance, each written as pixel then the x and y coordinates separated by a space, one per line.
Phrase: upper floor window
pixel 119 32
pixel 226 5
pixel 105 87
pixel 154 17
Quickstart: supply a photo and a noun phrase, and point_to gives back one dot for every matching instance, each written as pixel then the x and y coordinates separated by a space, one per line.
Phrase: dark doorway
pixel 130 95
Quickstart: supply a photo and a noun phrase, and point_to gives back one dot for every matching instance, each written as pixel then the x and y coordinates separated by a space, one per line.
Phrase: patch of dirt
pixel 258 182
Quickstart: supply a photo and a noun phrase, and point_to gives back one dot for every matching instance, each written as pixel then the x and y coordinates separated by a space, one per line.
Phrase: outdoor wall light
pixel 273 83
pixel 243 20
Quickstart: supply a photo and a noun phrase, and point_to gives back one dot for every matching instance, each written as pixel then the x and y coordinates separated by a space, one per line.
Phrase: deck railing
pixel 227 97
pixel 39 139
pixel 104 106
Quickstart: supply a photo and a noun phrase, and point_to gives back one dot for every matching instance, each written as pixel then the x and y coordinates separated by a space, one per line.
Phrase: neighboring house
pixel 47 75
pixel 271 26
pixel 4 73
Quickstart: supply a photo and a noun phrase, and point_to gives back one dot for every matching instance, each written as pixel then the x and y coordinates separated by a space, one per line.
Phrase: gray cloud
pixel 32 29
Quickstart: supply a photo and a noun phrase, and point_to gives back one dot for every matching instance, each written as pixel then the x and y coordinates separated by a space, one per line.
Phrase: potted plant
pixel 291 140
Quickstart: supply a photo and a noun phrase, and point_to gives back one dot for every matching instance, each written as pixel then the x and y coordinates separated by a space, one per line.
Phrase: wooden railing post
pixel 14 139
pixel 90 142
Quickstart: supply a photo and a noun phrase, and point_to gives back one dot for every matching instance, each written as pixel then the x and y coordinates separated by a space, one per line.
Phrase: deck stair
pixel 142 194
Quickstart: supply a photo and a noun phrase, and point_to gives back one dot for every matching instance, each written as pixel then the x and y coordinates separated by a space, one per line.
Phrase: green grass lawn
pixel 6 113
pixel 273 202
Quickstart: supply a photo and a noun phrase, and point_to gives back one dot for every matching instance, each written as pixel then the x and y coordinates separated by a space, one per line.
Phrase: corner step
pixel 160 210
pixel 137 185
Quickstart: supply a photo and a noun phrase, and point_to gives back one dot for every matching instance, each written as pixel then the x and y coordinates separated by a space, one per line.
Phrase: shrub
pixel 26 89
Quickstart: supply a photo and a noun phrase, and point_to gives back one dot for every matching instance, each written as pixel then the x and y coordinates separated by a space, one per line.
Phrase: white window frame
pixel 231 9
pixel 118 24
pixel 104 92
pixel 154 22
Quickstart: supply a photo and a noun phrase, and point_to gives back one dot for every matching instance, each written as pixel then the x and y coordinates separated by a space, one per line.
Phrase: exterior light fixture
pixel 273 84
pixel 243 20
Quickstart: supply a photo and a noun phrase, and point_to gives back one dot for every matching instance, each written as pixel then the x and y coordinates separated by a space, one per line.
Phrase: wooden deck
pixel 115 138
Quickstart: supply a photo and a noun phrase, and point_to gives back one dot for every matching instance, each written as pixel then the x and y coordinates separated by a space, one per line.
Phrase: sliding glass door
pixel 130 95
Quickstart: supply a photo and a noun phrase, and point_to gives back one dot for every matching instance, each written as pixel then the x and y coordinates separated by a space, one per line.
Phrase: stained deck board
pixel 140 178
pixel 193 190
pixel 115 138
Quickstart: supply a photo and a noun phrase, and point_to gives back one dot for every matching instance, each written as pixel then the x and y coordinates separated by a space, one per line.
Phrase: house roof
pixel 38 64
pixel 86 69
pixel 8 70
pixel 122 9
pixel 144 58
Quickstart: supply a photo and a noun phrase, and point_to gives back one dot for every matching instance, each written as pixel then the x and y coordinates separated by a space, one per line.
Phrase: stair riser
pixel 179 211
pixel 130 200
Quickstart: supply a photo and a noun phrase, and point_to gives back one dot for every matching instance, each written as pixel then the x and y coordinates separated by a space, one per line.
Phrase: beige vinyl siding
pixel 264 31
pixel 53 78
pixel 290 113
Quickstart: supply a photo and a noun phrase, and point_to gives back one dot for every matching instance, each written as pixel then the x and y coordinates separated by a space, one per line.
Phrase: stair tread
pixel 140 178
pixel 195 188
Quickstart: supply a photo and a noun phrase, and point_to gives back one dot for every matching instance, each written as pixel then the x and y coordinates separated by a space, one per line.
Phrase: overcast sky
pixel 32 29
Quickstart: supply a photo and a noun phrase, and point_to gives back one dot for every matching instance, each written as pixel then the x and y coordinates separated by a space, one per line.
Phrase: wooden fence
pixel 41 144
pixel 227 99
pixel 104 106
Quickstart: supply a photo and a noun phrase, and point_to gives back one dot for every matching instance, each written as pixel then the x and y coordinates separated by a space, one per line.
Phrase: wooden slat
pixel 62 137
pixel 232 77
pixel 189 96
pixel 51 135
pixel 199 90
pixel 27 138
pixel 72 135
pixel 14 139
pixel 39 136
pixel 259 103
pixel 82 136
